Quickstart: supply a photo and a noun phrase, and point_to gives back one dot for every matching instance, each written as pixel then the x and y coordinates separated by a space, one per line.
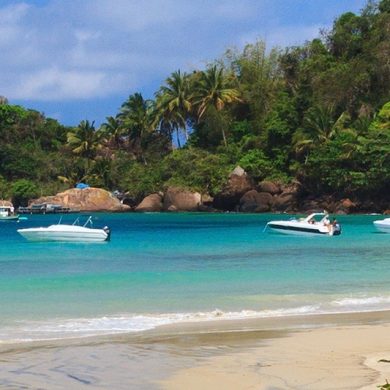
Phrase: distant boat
pixel 68 233
pixel 7 213
pixel 316 223
pixel 383 225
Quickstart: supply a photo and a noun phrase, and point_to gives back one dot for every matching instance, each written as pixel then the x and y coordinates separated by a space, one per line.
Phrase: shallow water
pixel 171 268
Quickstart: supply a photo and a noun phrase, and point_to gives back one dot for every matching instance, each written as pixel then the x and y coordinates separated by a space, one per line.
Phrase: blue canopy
pixel 81 186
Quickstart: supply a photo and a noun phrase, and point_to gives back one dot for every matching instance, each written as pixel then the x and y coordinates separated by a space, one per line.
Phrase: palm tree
pixel 213 90
pixel 319 127
pixel 113 131
pixel 137 120
pixel 173 101
pixel 84 141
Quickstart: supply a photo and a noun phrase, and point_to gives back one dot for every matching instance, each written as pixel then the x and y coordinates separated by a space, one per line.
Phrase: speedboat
pixel 316 223
pixel 69 233
pixel 383 225
pixel 7 213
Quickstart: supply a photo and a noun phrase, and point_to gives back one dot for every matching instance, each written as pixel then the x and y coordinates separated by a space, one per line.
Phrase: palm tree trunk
pixel 224 138
pixel 178 138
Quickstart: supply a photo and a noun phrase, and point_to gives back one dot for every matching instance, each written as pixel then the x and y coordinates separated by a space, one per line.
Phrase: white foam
pixel 362 301
pixel 128 323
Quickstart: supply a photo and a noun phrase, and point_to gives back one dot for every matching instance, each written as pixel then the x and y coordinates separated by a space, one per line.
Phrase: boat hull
pixel 79 234
pixel 383 225
pixel 9 218
pixel 304 229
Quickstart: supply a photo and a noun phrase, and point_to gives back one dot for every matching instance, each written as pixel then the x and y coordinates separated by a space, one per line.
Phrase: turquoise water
pixel 167 268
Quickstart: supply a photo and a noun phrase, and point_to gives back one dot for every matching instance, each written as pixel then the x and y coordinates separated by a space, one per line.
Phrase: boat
pixel 315 223
pixel 383 225
pixel 68 233
pixel 7 213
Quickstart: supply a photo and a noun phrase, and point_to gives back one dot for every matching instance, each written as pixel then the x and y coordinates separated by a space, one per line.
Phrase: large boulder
pixel 270 187
pixel 87 199
pixel 152 202
pixel 179 199
pixel 346 206
pixel 288 199
pixel 238 184
pixel 257 202
pixel 5 203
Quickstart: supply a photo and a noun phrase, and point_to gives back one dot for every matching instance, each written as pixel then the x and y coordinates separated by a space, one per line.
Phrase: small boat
pixel 316 223
pixel 69 233
pixel 383 225
pixel 7 213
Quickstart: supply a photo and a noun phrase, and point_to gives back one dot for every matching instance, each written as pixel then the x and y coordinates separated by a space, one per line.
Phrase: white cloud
pixel 71 49
pixel 56 84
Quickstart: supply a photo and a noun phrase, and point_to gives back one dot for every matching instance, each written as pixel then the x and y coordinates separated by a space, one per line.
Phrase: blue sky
pixel 76 60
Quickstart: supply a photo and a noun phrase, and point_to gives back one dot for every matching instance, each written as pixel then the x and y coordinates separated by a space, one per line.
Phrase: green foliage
pixel 4 188
pixel 318 113
pixel 256 164
pixel 195 169
pixel 140 180
pixel 386 386
pixel 22 191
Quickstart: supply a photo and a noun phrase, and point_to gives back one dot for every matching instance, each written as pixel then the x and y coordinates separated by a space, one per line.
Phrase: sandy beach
pixel 342 357
pixel 328 352
pixel 318 352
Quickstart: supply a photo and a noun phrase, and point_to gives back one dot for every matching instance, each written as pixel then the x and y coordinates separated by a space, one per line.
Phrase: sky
pixel 80 60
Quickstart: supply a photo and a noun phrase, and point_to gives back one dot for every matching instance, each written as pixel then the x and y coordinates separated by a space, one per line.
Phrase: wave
pixel 54 329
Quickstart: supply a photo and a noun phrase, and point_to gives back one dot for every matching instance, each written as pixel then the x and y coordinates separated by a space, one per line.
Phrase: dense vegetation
pixel 318 114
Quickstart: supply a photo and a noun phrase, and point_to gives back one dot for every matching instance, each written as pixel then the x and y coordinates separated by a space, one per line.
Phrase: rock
pixel 178 199
pixel 270 187
pixel 345 206
pixel 88 199
pixel 207 200
pixel 6 203
pixel 284 201
pixel 238 184
pixel 253 201
pixel 237 171
pixel 152 202
pixel 386 212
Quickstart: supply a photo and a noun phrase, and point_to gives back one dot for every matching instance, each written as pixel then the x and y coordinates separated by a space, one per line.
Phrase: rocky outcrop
pixel 151 203
pixel 345 206
pixel 287 200
pixel 256 202
pixel 270 187
pixel 87 199
pixel 6 203
pixel 238 184
pixel 178 199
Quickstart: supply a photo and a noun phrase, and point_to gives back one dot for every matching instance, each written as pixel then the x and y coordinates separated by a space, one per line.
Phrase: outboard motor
pixel 108 231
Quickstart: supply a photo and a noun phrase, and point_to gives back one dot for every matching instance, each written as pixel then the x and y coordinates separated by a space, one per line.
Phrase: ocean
pixel 173 268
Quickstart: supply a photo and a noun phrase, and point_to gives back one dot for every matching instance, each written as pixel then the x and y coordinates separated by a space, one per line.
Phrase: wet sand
pixel 318 352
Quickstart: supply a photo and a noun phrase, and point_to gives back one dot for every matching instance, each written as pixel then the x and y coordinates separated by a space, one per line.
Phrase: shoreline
pixel 338 351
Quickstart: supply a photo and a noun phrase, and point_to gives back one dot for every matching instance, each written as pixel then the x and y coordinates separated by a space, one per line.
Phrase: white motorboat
pixel 69 233
pixel 316 223
pixel 7 213
pixel 383 225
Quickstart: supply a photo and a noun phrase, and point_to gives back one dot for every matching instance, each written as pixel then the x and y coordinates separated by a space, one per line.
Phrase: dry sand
pixel 338 357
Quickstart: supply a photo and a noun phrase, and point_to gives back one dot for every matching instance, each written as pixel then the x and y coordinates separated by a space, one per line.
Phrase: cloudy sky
pixel 75 60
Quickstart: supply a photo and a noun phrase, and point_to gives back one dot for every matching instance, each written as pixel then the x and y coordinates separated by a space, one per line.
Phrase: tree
pixel 84 141
pixel 319 127
pixel 213 90
pixel 113 131
pixel 23 190
pixel 136 118
pixel 174 101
